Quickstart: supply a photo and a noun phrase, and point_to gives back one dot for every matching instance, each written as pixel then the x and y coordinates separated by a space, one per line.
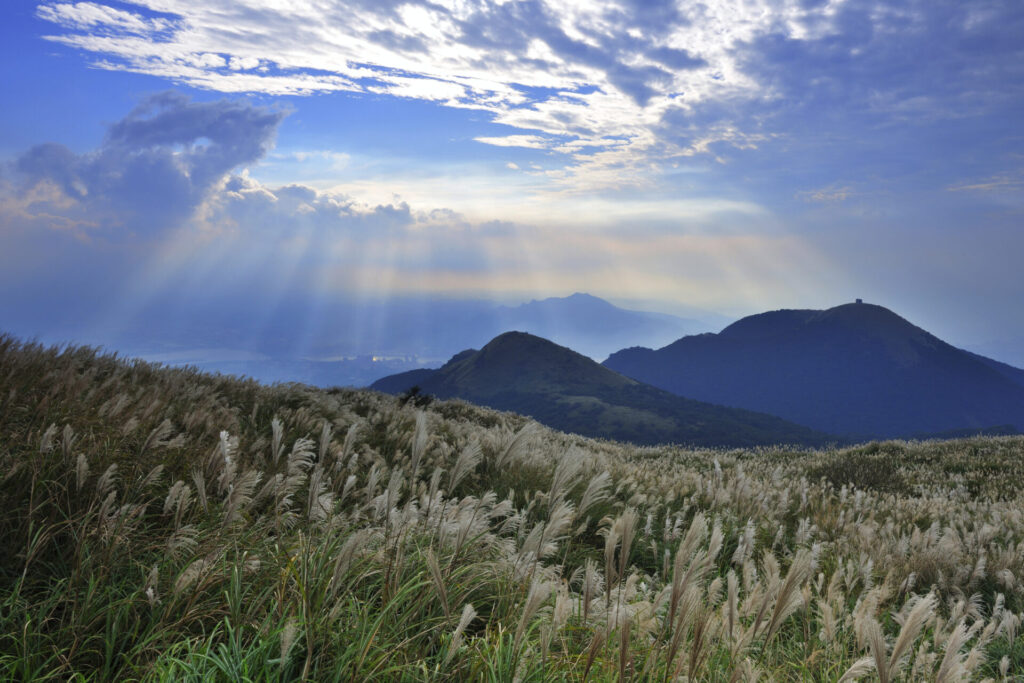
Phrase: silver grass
pixel 591 586
pixel 157 437
pixel 978 574
pixel 748 672
pixel 319 499
pixel 438 580
pixel 46 441
pixel 975 657
pixel 350 549
pixel 539 591
pixel 624 652
pixel 468 614
pixel 715 591
pixel 277 443
pixel 67 442
pixel 107 480
pixel 152 477
pixel 597 492
pixel 419 443
pixel 172 496
pixel 433 491
pixel 789 598
pixel 829 622
pixel 565 476
pixel 924 663
pixel 130 426
pixel 468 459
pixel 289 635
pixel 200 482
pixel 627 532
pixel 862 667
pixel 951 668
pixel 596 644
pixel 152 585
pixel 732 600
pixel 695 535
pixel 516 446
pixel 240 495
pixel 560 614
pixel 182 505
pixel 182 542
pixel 326 434
pixel 877 646
pixel 611 540
pixel 348 453
pixel 922 611
pixel 81 471
pixel 192 574
pixel 350 482
pixel 717 539
pixel 372 480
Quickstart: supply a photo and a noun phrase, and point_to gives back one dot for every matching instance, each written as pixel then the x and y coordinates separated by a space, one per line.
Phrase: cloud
pixel 827 195
pixel 165 209
pixel 998 183
pixel 527 141
pixel 604 75
pixel 155 167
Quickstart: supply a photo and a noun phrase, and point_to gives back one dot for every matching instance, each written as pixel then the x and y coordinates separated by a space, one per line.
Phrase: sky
pixel 212 160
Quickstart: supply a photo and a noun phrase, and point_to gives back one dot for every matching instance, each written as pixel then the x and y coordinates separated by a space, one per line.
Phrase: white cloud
pixel 87 15
pixel 827 195
pixel 528 141
pixel 607 70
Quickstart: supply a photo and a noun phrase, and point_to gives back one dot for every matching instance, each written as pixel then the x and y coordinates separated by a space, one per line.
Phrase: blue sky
pixel 731 156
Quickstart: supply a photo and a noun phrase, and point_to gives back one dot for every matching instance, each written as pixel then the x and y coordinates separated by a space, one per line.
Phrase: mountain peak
pixel 867 320
pixel 855 369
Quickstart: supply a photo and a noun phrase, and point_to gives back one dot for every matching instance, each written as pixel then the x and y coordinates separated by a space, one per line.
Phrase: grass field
pixel 162 524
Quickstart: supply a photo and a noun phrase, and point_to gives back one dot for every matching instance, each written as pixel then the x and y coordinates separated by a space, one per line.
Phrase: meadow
pixel 162 524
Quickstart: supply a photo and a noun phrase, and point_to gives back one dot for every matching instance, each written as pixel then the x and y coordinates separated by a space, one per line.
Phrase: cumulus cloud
pixel 155 167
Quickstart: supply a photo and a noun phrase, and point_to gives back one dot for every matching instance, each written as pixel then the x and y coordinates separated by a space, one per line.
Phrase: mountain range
pixel 856 370
pixel 568 391
pixel 355 342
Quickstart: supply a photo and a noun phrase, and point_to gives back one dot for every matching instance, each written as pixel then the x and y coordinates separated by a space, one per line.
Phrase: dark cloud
pixel 156 165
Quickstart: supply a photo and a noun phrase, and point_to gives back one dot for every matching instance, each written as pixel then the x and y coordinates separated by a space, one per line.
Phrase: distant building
pixel 860 301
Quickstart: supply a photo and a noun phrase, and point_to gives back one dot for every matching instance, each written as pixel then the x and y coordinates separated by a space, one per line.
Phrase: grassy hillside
pixel 163 524
pixel 566 390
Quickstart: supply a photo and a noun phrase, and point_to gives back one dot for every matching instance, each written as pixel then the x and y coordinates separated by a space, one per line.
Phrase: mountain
pixel 568 391
pixel 858 370
pixel 593 326
pixel 352 342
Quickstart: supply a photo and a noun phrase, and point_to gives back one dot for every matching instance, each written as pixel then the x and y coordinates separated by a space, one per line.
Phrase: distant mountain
pixel 593 326
pixel 355 342
pixel 570 392
pixel 857 370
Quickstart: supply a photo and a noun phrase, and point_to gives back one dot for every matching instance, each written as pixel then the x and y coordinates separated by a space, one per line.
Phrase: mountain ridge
pixel 858 370
pixel 566 390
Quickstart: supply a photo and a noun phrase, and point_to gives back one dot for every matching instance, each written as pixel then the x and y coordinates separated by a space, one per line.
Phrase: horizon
pixel 217 167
